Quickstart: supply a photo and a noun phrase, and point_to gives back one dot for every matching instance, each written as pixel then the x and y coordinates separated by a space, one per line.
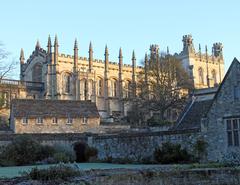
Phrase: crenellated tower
pixel 206 70
pixel 188 46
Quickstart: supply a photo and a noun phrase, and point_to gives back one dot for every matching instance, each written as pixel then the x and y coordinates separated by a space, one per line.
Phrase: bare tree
pixel 162 86
pixel 6 67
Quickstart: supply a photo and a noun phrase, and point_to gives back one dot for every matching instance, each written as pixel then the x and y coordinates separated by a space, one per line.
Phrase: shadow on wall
pixel 80 150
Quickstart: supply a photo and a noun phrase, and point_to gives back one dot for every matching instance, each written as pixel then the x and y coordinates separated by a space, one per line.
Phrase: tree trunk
pixel 162 115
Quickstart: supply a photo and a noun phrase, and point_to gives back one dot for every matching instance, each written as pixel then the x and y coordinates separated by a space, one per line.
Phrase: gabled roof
pixel 234 63
pixel 53 108
pixel 199 107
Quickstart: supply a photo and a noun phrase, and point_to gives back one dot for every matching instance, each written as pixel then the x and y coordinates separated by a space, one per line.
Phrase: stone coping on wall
pixel 84 136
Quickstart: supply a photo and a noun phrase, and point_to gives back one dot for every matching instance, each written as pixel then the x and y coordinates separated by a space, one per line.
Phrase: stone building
pixel 53 116
pixel 109 84
pixel 12 89
pixel 206 70
pixel 216 114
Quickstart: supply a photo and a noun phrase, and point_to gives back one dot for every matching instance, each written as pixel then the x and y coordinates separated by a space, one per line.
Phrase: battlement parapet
pixel 69 56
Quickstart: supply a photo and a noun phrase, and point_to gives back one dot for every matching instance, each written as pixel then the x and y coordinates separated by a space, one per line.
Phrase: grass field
pixel 16 171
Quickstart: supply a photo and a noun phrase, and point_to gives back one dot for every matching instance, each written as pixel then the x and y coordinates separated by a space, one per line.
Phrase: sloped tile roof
pixel 194 112
pixel 53 108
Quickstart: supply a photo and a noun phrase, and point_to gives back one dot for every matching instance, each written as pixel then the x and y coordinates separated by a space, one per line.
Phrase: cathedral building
pixel 108 84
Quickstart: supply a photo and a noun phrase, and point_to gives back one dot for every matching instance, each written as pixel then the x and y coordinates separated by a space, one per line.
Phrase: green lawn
pixel 15 171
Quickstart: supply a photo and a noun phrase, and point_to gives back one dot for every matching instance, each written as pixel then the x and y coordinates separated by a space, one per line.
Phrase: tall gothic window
pixel 100 87
pixel 37 73
pixel 85 89
pixel 200 76
pixel 127 89
pixel 214 77
pixel 114 88
pixel 67 83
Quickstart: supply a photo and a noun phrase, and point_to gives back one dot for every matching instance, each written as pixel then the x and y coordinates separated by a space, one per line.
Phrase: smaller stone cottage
pixel 53 116
pixel 215 113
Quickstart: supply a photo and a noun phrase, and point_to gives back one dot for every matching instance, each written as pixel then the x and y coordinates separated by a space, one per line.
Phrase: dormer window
pixel 24 120
pixel 69 120
pixel 85 120
pixel 55 120
pixel 39 120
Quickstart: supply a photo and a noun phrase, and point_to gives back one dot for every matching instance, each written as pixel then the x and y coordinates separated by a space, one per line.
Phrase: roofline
pixel 235 60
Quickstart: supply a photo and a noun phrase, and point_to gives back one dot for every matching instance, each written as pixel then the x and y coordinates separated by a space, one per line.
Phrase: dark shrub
pixel 59 172
pixel 22 150
pixel 200 148
pixel 171 153
pixel 90 152
pixel 155 121
pixel 64 153
pixel 45 152
pixel 61 157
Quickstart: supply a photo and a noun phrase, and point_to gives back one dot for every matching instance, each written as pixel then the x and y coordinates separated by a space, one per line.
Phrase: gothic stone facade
pixel 106 83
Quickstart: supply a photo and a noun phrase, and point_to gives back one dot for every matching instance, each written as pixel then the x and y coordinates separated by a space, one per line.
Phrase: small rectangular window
pixel 69 120
pixel 236 138
pixel 85 120
pixel 233 131
pixel 39 120
pixel 235 124
pixel 229 125
pixel 55 120
pixel 230 141
pixel 24 120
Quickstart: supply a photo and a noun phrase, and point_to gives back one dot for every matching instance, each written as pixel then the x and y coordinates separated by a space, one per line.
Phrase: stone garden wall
pixel 125 146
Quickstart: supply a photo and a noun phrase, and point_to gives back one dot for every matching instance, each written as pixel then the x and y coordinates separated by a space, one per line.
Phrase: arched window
pixel 67 83
pixel 214 77
pixel 85 89
pixel 37 73
pixel 127 89
pixel 200 76
pixel 100 87
pixel 114 88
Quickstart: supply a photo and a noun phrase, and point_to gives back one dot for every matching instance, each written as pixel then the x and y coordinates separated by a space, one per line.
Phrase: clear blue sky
pixel 130 24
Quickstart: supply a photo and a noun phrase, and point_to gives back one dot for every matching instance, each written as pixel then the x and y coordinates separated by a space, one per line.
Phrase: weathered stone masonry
pixel 133 146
